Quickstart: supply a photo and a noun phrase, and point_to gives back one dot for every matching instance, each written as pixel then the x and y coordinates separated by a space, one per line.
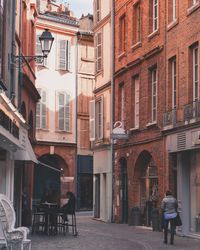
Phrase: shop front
pixel 184 149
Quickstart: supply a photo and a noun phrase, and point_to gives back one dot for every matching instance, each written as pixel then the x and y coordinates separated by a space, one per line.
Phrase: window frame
pixel 98 52
pixel 122 34
pixel 99 113
pixel 136 23
pixel 174 83
pixel 136 88
pixel 66 105
pixel 154 94
pixel 155 18
pixel 174 6
pixel 195 72
pixel 67 54
pixel 42 104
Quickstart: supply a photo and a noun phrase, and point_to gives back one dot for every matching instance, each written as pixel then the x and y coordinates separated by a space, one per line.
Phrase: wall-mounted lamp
pixel 46 41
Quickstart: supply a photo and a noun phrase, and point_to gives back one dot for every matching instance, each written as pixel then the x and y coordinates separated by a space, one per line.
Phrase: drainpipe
pixel 13 52
pixel 20 52
pixel 113 105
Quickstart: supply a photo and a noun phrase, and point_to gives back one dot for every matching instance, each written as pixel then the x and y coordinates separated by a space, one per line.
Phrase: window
pixel 195 73
pixel 155 15
pixel 174 84
pixel 96 119
pixel 172 14
pixel 41 110
pixel 136 24
pixel 63 102
pixel 1 34
pixel 122 105
pixel 98 41
pixel 122 34
pixel 136 95
pixel 98 17
pixel 39 52
pixel 194 2
pixel 63 51
pixel 154 94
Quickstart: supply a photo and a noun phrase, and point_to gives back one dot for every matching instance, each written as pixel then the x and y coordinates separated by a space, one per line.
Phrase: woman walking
pixel 169 207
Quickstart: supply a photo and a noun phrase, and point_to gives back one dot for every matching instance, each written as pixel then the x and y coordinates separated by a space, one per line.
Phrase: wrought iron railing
pixel 192 110
pixel 169 118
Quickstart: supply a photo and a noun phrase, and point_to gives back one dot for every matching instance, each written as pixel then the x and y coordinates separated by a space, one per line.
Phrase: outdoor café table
pixel 49 209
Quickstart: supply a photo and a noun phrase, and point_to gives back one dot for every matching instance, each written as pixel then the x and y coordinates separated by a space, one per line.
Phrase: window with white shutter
pixel 99 118
pixel 137 94
pixel 63 55
pixel 41 110
pixel 154 94
pixel 98 49
pixel 63 111
pixel 92 120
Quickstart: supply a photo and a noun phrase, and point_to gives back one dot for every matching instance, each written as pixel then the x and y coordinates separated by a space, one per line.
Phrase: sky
pixel 80 7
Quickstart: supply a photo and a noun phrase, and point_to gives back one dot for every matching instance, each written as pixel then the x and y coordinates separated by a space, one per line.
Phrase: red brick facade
pixel 145 142
pixel 168 51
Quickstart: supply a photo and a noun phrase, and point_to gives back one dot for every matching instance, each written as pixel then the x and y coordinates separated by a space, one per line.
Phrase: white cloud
pixel 80 7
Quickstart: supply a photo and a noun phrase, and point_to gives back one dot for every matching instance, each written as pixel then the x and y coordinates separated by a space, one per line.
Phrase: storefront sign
pixel 9 124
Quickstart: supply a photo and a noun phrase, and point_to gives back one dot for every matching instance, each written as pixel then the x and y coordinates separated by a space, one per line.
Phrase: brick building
pixel 157 101
pixel 181 119
pixel 139 105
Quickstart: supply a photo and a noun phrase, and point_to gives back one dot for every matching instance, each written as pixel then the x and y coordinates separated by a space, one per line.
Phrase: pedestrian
pixel 169 208
pixel 69 207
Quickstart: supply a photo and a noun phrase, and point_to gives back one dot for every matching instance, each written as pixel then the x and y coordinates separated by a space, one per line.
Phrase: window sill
pixel 153 34
pixel 172 24
pixel 151 124
pixel 120 56
pixel 98 73
pixel 63 131
pixel 136 45
pixel 134 129
pixel 43 129
pixel 193 8
pixel 85 59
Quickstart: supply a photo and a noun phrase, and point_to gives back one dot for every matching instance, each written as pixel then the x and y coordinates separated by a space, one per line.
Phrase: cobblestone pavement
pixel 96 235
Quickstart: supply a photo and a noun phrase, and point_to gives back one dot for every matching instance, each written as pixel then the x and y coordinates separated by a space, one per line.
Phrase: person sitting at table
pixel 69 207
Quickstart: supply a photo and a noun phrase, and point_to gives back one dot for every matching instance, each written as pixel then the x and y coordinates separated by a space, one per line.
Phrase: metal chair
pixel 65 221
pixel 38 224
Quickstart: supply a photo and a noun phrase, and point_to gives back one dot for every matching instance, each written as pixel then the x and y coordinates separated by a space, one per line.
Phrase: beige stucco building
pixel 100 115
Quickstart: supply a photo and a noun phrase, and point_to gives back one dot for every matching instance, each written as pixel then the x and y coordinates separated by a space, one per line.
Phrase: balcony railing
pixel 187 114
pixel 169 118
pixel 192 110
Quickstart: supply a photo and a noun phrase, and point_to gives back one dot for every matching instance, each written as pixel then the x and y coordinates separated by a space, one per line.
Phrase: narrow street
pixel 96 235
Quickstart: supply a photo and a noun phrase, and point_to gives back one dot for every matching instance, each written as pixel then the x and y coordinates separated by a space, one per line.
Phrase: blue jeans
pixel 172 229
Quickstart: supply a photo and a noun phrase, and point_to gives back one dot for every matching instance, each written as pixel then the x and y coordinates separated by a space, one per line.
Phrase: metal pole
pixel 113 104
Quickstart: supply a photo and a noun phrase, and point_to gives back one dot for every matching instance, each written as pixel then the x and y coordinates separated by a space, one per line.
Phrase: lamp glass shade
pixel 46 40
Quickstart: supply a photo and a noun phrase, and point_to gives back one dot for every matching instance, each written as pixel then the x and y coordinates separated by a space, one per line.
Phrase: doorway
pixel 124 188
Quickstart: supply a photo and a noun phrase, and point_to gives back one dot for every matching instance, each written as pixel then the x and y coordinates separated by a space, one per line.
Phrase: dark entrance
pixel 97 196
pixel 86 192
pixel 124 183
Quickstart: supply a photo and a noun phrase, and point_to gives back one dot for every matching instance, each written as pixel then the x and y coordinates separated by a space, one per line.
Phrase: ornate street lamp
pixel 46 40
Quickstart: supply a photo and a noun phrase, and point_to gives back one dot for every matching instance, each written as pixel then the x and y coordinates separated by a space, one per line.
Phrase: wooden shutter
pixel 101 119
pixel 62 45
pixel 67 112
pixel 99 51
pixel 68 52
pixel 38 108
pixel 137 92
pixel 44 109
pixel 61 111
pixel 92 120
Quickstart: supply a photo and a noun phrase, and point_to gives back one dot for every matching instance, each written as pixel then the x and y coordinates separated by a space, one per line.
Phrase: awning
pixel 48 166
pixel 26 154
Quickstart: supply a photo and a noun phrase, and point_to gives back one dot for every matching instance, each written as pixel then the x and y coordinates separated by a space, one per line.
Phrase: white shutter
pixel 38 108
pixel 61 110
pixel 43 109
pixel 137 92
pixel 92 120
pixel 62 45
pixel 68 62
pixel 102 111
pixel 67 112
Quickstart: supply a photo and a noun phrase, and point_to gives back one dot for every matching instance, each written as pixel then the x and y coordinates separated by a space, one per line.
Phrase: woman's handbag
pixel 178 221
